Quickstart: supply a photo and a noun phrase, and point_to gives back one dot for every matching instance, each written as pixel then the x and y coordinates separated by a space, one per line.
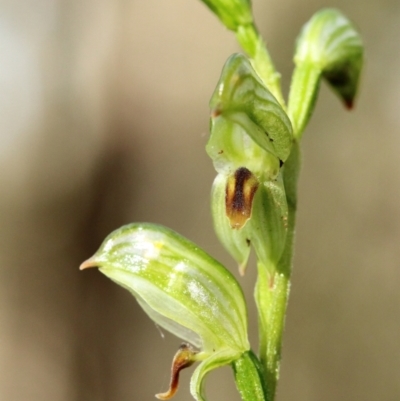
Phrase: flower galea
pixel 183 290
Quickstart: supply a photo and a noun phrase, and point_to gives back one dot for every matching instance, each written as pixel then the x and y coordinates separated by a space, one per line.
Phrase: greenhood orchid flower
pixel 328 47
pixel 183 290
pixel 251 137
pixel 245 218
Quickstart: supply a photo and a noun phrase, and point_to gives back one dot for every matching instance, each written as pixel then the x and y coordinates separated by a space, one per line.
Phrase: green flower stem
pixel 271 293
pixel 249 378
pixel 252 42
pixel 303 94
pixel 273 284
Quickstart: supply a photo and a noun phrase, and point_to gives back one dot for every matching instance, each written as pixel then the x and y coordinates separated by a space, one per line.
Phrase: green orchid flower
pixel 329 47
pixel 183 290
pixel 251 137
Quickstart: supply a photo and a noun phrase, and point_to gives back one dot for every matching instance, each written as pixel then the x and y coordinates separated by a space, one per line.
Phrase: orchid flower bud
pixel 241 98
pixel 328 47
pixel 232 13
pixel 183 290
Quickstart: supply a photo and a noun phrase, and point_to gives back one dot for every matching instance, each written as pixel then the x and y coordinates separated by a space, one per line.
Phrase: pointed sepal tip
pixel 91 262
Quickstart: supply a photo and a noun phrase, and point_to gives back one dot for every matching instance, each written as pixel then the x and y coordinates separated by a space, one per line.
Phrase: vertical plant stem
pixel 273 285
pixel 271 294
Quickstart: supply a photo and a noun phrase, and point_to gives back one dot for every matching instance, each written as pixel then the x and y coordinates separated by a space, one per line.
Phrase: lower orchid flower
pixel 183 290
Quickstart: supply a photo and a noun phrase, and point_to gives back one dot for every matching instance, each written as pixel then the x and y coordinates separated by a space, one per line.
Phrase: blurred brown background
pixel 103 121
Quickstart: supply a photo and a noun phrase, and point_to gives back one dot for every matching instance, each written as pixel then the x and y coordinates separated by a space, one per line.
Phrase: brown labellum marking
pixel 182 359
pixel 215 112
pixel 239 195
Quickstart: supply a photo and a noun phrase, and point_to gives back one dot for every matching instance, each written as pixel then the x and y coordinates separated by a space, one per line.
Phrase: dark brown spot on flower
pixel 272 281
pixel 216 112
pixel 182 359
pixel 239 194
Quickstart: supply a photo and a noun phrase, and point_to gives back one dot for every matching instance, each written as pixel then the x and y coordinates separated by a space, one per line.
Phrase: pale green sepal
pixel 234 240
pixel 267 227
pixel 232 13
pixel 218 359
pixel 249 378
pixel 330 47
pixel 242 97
pixel 180 287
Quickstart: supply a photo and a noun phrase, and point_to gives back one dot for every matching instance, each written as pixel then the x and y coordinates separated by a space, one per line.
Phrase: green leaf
pixel 242 99
pixel 249 378
pixel 328 47
pixel 180 287
pixel 232 13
